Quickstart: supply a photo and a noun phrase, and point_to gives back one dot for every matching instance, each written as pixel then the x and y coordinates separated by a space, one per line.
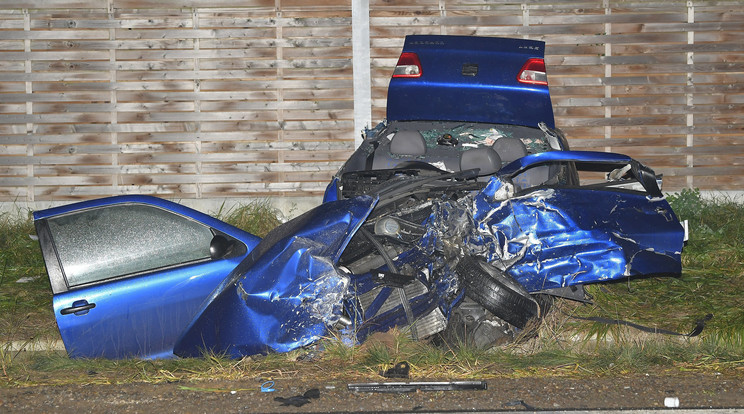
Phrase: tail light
pixel 408 66
pixel 533 72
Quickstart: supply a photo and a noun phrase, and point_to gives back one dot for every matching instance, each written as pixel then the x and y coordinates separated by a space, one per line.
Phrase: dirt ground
pixel 647 391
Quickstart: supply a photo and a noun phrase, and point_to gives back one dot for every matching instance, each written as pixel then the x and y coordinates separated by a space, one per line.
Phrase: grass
pixel 25 293
pixel 334 365
pixel 712 280
pixel 20 259
pixel 258 217
pixel 711 283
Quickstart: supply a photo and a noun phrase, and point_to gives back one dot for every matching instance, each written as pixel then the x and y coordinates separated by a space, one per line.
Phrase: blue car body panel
pixel 287 292
pixel 532 160
pixel 139 315
pixel 331 191
pixel 572 236
pixel 444 93
pixel 142 316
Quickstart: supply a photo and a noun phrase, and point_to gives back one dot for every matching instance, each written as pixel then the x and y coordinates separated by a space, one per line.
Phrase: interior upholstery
pixel 483 158
pixel 408 143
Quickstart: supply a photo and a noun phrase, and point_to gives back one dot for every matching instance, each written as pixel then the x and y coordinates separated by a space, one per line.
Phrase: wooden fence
pixel 197 99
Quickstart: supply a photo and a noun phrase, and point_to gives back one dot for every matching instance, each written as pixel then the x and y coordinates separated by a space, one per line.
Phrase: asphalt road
pixel 722 393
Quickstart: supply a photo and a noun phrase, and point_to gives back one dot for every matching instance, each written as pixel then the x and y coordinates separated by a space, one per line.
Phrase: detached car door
pixel 129 273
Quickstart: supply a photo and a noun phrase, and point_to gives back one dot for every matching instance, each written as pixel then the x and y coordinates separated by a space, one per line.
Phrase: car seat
pixel 404 146
pixel 483 158
pixel 509 149
pixel 408 143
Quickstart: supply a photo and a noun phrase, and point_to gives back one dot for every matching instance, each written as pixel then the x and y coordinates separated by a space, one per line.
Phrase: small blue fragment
pixel 267 386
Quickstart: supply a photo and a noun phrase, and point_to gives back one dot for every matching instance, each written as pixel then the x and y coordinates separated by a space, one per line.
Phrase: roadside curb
pixel 36 345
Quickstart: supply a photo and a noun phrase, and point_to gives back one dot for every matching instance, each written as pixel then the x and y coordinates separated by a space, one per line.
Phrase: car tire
pixel 496 291
pixel 471 325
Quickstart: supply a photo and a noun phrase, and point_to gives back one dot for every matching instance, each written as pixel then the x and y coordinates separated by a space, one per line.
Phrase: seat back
pixel 408 143
pixel 483 158
pixel 509 149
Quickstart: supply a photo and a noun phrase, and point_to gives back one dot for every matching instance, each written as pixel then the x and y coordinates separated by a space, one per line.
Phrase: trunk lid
pixel 473 79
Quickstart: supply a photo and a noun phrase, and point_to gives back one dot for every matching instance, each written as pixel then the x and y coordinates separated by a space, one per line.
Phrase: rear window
pixel 441 144
pixel 473 135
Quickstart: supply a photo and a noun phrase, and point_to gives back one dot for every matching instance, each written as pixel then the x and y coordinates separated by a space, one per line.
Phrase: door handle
pixel 78 306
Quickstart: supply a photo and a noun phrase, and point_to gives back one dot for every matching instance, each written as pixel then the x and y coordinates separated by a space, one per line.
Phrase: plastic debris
pixel 671 402
pixel 418 386
pixel 400 370
pixel 268 386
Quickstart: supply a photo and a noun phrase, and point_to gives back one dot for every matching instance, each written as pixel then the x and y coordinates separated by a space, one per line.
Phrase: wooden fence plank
pixel 218 98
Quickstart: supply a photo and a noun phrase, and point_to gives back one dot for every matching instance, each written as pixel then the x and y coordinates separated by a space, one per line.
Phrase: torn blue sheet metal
pixel 557 237
pixel 554 236
pixel 288 291
pixel 375 307
pixel 639 172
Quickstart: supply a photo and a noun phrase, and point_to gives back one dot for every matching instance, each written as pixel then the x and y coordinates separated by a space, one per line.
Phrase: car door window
pixel 104 243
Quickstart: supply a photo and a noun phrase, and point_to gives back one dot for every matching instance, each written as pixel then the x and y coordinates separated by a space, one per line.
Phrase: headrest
pixel 509 149
pixel 484 158
pixel 408 143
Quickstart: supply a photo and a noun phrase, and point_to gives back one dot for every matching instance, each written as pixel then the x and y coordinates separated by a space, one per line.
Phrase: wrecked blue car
pixel 454 218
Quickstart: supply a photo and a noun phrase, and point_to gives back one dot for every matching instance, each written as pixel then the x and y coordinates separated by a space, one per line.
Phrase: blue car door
pixel 129 273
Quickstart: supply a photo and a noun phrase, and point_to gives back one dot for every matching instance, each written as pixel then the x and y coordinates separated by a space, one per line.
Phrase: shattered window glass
pixel 472 135
pixel 103 243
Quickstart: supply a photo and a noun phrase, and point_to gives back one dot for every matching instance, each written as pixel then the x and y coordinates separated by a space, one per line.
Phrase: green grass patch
pixel 258 217
pixel 711 282
pixel 660 356
pixel 23 282
pixel 25 293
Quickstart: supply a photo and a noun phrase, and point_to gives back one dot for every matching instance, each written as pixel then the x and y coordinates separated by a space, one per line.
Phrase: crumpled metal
pixel 290 290
pixel 556 237
pixel 286 293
